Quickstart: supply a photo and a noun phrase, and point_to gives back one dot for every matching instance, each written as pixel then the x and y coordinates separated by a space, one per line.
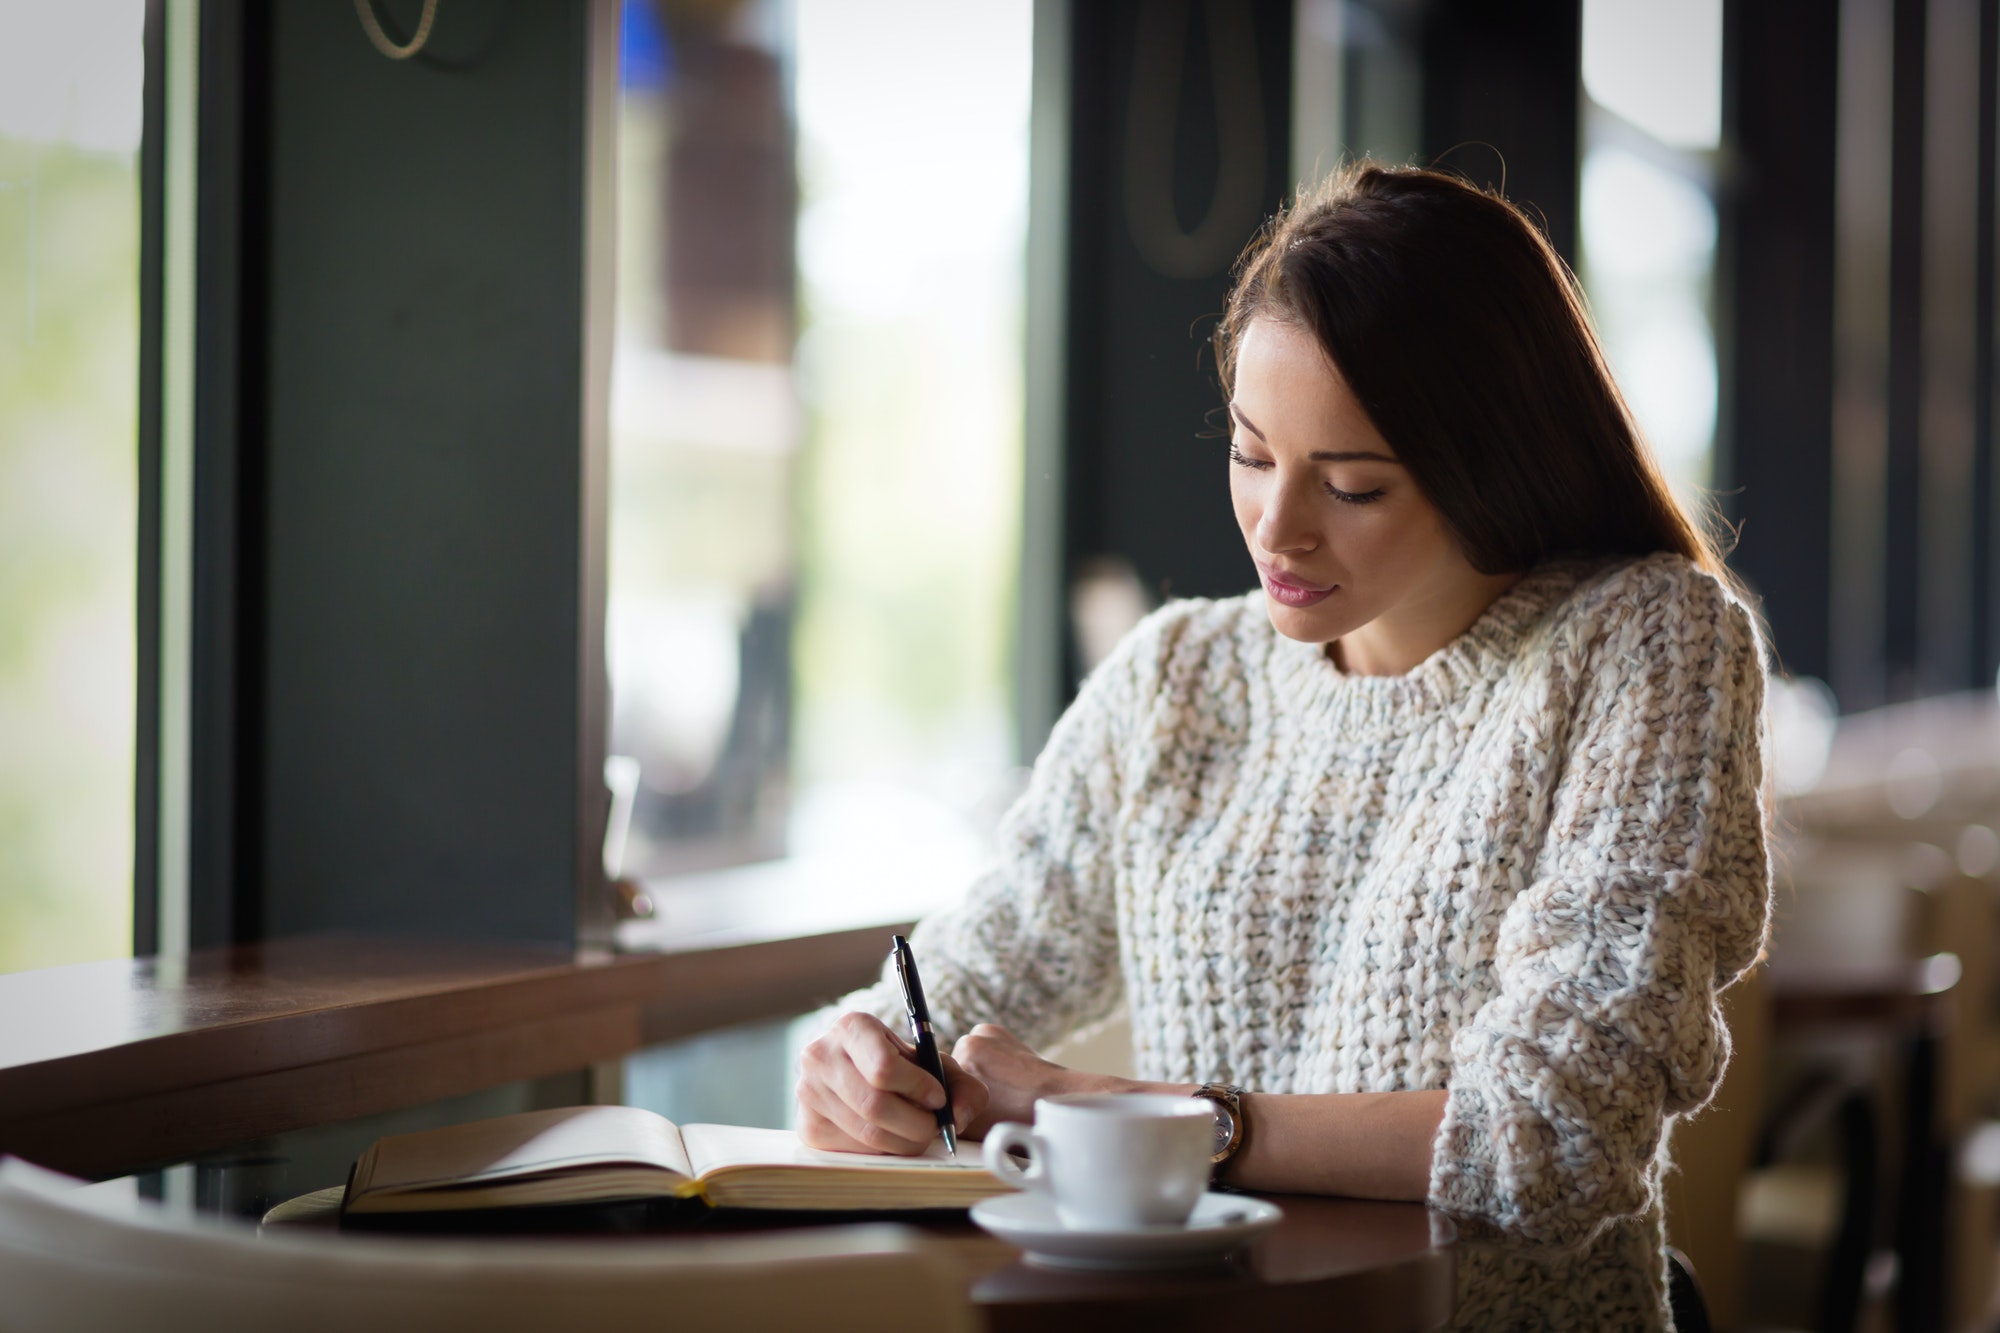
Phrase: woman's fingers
pixel 888 1063
pixel 886 1121
pixel 828 1122
pixel 1012 1073
pixel 968 1095
pixel 816 1131
pixel 859 1090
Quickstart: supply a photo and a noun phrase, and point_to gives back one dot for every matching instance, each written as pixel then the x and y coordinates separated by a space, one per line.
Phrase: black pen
pixel 920 1032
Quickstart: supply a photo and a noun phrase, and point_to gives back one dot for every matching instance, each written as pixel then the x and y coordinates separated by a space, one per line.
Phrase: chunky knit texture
pixel 1520 872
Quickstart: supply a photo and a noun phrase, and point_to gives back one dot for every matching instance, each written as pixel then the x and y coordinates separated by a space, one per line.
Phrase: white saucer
pixel 1220 1223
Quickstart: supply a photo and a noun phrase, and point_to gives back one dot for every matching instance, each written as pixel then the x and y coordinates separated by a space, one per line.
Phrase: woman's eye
pixel 1354 497
pixel 1241 459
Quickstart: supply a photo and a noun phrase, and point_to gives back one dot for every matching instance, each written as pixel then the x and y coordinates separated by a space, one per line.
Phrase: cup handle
pixel 1002 1139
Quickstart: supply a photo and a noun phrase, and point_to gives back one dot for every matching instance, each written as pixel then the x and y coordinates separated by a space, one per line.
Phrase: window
pixel 71 81
pixel 816 429
pixel 1653 78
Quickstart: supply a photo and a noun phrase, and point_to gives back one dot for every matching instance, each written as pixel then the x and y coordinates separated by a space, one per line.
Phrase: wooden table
pixel 1365 1267
pixel 1345 1262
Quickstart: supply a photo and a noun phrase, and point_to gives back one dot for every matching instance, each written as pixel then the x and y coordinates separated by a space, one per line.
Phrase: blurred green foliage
pixel 910 536
pixel 69 345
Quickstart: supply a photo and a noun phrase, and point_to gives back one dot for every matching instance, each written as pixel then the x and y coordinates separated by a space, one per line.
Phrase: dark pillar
pixel 1500 98
pixel 226 612
pixel 1906 256
pixel 1179 141
pixel 1986 351
pixel 1774 464
pixel 407 680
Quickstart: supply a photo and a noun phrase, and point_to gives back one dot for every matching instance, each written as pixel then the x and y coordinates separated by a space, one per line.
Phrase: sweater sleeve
pixel 1034 944
pixel 1649 896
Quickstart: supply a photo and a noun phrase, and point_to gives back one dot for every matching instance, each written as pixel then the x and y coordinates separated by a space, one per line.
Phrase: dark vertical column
pixel 1906 233
pixel 1179 131
pixel 1500 98
pixel 226 638
pixel 1947 656
pixel 1041 660
pixel 1775 314
pixel 152 293
pixel 1862 223
pixel 1915 499
pixel 1986 383
pixel 417 741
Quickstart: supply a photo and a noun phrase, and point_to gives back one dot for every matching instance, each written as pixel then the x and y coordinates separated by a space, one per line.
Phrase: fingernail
pixel 935 1099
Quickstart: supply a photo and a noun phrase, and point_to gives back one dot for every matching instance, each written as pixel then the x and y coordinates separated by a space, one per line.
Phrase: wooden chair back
pixel 70 1265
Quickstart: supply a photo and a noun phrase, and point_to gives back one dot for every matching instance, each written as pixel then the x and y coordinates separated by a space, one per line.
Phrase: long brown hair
pixel 1464 335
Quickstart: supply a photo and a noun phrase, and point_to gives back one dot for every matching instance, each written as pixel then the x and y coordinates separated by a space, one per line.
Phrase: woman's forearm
pixel 1365 1145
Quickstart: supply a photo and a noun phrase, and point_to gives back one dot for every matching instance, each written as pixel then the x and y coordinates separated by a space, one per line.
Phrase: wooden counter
pixel 108 1068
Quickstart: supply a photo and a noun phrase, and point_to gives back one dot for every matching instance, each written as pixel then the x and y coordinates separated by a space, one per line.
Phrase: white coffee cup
pixel 1114 1161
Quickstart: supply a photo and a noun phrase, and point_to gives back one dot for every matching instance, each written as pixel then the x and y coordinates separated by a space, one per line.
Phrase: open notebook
pixel 603 1154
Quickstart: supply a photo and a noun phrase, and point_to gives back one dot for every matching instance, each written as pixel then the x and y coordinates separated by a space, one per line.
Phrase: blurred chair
pixel 1886 1042
pixel 1684 1296
pixel 78 1266
pixel 1836 1203
pixel 1712 1152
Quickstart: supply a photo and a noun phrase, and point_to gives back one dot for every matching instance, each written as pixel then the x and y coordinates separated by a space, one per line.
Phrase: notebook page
pixel 713 1146
pixel 531 1143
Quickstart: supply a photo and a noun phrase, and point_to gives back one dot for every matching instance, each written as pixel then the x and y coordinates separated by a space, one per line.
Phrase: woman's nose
pixel 1287 523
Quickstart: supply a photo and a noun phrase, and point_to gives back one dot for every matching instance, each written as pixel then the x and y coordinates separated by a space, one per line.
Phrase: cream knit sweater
pixel 1520 872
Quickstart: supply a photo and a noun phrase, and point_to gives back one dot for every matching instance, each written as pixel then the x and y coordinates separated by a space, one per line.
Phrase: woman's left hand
pixel 1015 1076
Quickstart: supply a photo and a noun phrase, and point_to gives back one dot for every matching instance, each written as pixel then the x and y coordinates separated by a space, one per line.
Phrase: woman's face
pixel 1347 547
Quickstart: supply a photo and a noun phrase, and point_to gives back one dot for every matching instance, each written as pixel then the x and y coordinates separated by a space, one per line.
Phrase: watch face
pixel 1225 1127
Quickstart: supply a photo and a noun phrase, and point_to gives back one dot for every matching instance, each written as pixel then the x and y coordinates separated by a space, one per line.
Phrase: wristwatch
pixel 1228 1099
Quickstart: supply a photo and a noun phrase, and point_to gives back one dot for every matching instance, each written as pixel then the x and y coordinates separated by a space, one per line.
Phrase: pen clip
pixel 913 989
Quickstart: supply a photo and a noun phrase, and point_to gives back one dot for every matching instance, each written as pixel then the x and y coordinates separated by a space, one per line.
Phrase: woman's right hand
pixel 861 1090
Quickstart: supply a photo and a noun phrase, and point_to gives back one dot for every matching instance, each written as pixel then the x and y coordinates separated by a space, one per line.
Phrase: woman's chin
pixel 1310 625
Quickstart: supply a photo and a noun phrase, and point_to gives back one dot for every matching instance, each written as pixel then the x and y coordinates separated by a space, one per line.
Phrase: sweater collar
pixel 1304 673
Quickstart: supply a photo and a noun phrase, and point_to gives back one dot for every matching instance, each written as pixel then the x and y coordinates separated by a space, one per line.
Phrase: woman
pixel 1444 843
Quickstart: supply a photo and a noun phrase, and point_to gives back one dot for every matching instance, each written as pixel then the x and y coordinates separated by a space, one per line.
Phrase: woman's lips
pixel 1288 593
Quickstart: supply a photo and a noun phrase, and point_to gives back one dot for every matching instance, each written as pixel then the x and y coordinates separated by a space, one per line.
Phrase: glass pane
pixel 704 435
pixel 816 417
pixel 71 78
pixel 1657 65
pixel 912 236
pixel 1649 266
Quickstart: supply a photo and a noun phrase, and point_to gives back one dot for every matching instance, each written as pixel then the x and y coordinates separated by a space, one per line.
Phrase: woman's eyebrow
pixel 1248 425
pixel 1319 455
